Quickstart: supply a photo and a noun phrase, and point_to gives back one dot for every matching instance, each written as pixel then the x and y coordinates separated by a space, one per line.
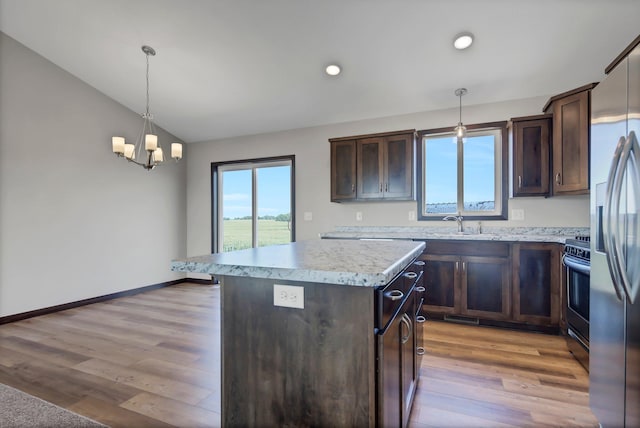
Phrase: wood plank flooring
pixel 153 360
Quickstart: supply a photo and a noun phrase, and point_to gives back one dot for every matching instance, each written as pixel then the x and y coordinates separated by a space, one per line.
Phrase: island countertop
pixel 368 263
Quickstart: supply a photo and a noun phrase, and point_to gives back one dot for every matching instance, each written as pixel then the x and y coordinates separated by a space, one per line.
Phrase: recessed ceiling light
pixel 332 69
pixel 463 40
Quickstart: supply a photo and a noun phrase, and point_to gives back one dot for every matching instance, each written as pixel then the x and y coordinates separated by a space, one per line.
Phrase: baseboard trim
pixel 24 315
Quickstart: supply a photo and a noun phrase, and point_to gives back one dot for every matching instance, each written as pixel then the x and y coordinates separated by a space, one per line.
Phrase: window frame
pixel 502 180
pixel 218 167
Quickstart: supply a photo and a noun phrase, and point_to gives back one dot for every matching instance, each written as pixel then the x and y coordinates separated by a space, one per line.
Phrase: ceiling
pixel 239 67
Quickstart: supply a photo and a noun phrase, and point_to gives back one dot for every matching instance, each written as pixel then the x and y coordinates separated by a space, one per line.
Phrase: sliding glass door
pixel 253 203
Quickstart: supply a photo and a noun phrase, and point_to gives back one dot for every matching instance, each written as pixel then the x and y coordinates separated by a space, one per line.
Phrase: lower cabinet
pixel 537 273
pixel 468 278
pixel 398 355
pixel 501 281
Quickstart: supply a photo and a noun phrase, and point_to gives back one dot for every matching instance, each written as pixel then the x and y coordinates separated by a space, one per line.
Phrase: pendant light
pixel 460 130
pixel 146 147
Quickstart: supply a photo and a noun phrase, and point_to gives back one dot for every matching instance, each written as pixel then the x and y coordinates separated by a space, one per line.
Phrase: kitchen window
pixel 252 203
pixel 467 178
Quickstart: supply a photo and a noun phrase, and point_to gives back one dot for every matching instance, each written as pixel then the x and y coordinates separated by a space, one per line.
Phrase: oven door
pixel 578 273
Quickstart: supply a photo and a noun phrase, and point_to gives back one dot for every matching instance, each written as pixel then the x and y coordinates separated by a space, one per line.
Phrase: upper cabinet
pixel 373 167
pixel 531 148
pixel 570 143
pixel 343 170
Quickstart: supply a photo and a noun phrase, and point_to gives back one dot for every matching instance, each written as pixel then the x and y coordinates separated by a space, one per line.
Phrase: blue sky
pixel 274 192
pixel 441 169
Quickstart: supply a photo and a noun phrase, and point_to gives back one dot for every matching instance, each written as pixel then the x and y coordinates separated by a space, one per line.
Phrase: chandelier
pixel 146 151
pixel 460 130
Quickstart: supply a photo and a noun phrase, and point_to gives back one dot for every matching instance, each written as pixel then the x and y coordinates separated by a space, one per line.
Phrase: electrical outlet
pixel 359 216
pixel 289 296
pixel 412 215
pixel 517 214
pixel 308 216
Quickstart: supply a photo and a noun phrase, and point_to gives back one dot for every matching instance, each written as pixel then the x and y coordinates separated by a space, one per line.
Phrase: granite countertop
pixel 510 234
pixel 333 261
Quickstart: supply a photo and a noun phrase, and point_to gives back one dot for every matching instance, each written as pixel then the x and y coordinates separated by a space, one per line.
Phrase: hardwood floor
pixel 153 360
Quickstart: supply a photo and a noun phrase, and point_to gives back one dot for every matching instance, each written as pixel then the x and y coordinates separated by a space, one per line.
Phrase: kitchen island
pixel 317 333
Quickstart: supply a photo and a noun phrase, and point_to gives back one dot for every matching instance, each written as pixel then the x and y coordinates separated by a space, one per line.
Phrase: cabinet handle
pixel 420 350
pixel 558 178
pixel 380 187
pixel 386 187
pixel 394 295
pixel 420 289
pixel 421 318
pixel 353 188
pixel 406 320
pixel 464 266
pixel 411 275
pixel 520 182
pixel 419 263
pixel 457 266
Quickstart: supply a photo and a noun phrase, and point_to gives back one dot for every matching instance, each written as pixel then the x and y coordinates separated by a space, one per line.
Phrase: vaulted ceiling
pixel 235 67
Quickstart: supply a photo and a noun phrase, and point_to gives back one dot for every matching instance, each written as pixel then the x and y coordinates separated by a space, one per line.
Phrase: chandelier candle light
pixel 147 137
pixel 460 130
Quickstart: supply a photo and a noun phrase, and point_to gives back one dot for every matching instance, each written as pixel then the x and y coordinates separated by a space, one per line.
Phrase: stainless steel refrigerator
pixel 614 360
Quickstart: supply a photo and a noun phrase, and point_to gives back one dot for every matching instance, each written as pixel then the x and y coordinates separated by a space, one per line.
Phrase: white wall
pixel 311 148
pixel 75 221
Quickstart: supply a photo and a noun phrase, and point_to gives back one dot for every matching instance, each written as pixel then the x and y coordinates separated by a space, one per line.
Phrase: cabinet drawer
pixel 468 248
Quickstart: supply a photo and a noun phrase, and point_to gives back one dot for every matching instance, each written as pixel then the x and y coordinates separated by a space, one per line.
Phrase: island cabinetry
pixel 469 278
pixel 570 143
pixel 373 167
pixel 397 353
pixel 531 155
pixel 537 281
pixel 314 366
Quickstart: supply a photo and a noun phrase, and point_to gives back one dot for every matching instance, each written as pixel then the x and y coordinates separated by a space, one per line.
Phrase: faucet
pixel 457 218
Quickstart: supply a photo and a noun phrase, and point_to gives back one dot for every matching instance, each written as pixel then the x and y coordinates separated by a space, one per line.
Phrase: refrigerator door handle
pixel 608 221
pixel 629 272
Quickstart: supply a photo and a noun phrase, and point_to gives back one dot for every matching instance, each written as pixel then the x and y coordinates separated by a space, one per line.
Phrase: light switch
pixel 308 216
pixel 359 216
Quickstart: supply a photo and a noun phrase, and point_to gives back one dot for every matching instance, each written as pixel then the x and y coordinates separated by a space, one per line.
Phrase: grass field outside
pixel 237 233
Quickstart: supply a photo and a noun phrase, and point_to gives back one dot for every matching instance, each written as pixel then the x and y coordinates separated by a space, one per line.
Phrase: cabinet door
pixel 408 365
pixel 370 168
pixel 571 144
pixel 484 287
pixel 389 388
pixel 442 294
pixel 343 170
pixel 531 142
pixel 398 167
pixel 536 283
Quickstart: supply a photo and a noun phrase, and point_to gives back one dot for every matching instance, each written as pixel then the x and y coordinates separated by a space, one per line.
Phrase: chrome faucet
pixel 457 218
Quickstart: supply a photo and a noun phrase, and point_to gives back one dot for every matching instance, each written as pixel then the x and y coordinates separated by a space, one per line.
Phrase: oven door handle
pixel 579 267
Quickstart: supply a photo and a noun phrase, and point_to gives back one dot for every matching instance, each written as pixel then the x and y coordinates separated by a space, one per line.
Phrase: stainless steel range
pixel 577 262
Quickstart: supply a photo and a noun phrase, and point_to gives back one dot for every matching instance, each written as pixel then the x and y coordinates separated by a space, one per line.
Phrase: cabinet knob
pixel 420 350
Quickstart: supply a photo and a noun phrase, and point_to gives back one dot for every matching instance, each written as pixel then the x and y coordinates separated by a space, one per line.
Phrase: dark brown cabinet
pixel 373 167
pixel 537 283
pixel 531 155
pixel 517 282
pixel 468 278
pixel 570 143
pixel 343 170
